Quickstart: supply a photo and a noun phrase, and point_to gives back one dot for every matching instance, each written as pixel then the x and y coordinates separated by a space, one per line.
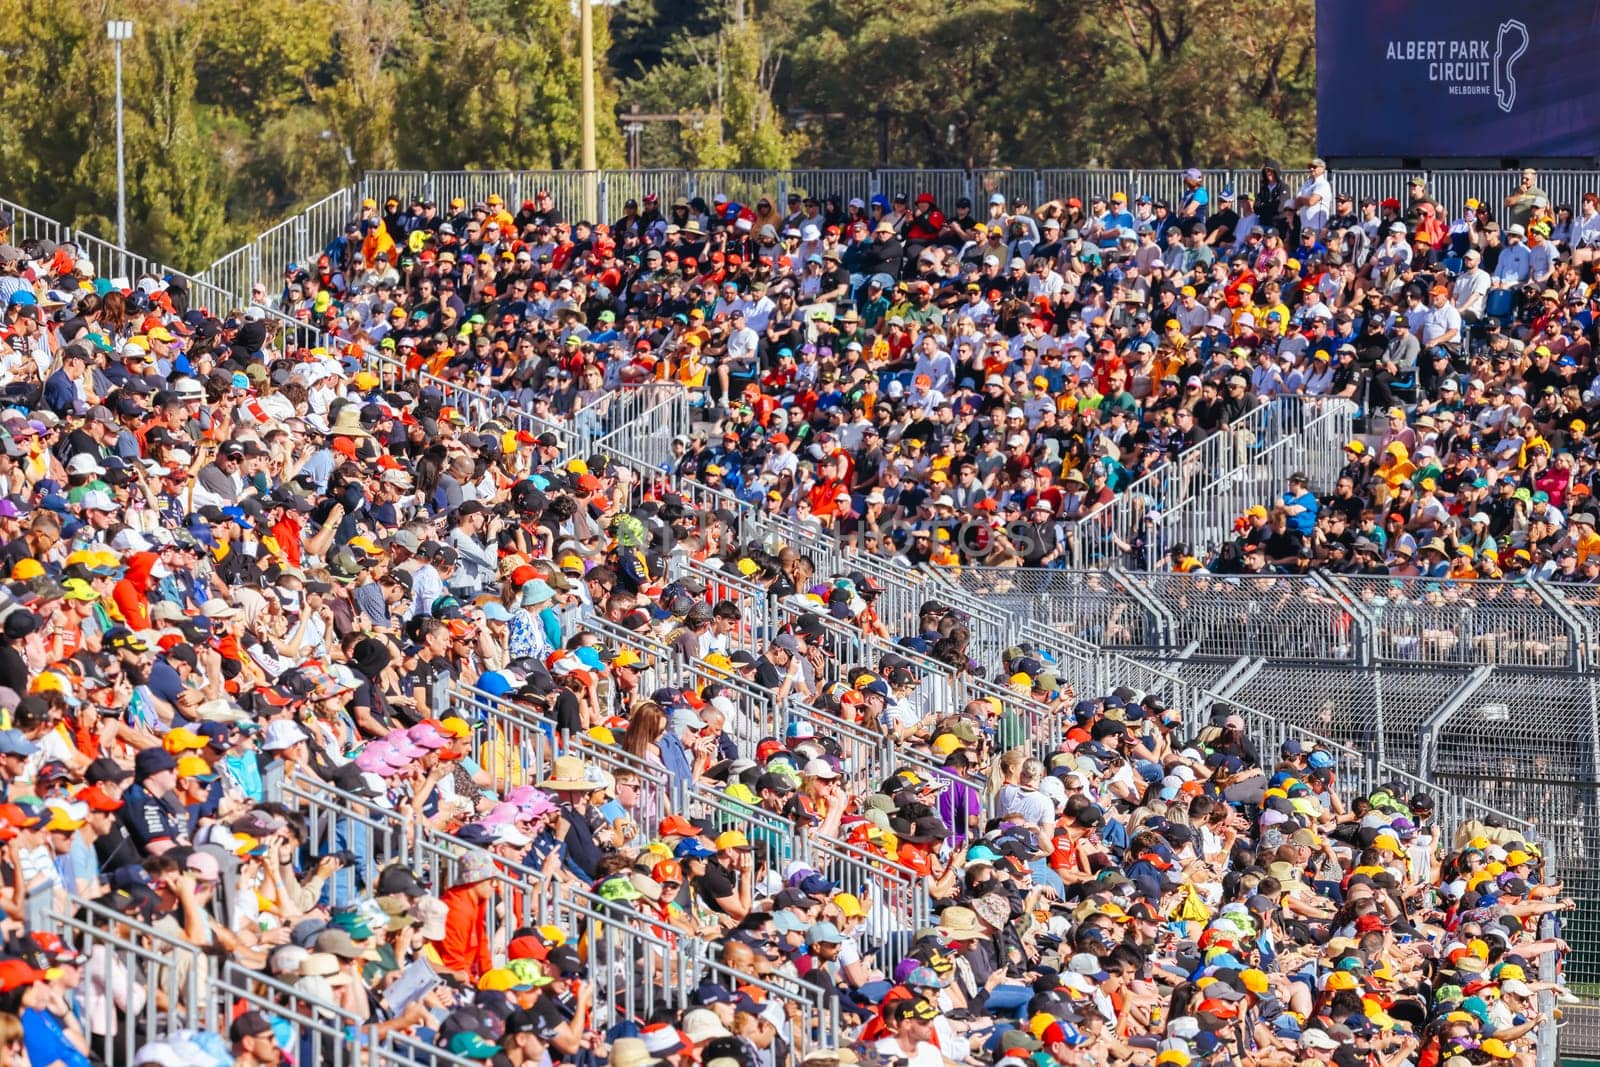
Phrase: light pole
pixel 119 30
pixel 586 158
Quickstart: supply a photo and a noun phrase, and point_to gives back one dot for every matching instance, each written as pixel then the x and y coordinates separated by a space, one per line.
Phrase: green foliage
pixel 236 112
pixel 716 69
pixel 1039 83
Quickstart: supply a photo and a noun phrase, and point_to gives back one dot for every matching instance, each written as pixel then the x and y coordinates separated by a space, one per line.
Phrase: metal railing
pixel 1110 531
pixel 29 225
pixel 1318 617
pixel 642 420
pixel 1204 519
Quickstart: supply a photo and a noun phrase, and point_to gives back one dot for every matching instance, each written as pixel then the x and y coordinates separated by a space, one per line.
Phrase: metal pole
pixel 586 103
pixel 119 30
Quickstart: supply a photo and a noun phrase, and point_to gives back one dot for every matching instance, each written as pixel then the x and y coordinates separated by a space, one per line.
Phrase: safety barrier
pixel 1111 532
pixel 29 225
pixel 515 745
pixel 641 422
pixel 657 792
pixel 1205 518
pixel 894 897
pixel 1319 616
pixel 1417 620
pixel 723 583
pixel 139 983
pixel 475 404
pixel 811 1011
pixel 375 834
pixel 253 273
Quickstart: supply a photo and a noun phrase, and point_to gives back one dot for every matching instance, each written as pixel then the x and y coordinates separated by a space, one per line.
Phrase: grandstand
pixel 1403 686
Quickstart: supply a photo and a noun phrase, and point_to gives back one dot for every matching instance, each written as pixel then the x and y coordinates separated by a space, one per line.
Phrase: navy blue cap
pixel 712 993
pixel 815 884
pixel 153 761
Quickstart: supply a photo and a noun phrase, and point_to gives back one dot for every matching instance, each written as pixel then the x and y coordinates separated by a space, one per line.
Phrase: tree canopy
pixel 235 113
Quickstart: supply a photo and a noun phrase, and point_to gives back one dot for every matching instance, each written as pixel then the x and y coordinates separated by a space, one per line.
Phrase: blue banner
pixel 1462 78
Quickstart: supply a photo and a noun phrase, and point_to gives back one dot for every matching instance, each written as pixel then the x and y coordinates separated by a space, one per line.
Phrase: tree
pixel 721 78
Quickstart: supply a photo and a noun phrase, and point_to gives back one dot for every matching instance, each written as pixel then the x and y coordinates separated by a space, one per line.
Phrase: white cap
pixel 508 834
pixel 98 500
pixel 1017 263
pixel 1480 517
pixel 991 260
pixel 280 734
pixel 158 1054
pixel 686 718
pixel 998 198
pixel 819 768
pixel 83 463
pixel 130 541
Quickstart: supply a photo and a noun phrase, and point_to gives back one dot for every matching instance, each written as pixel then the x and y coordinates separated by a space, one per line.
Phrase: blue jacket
pixel 674 757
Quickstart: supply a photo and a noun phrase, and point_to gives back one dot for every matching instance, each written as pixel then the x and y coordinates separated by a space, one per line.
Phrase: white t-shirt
pixel 926 1055
pixel 1315 216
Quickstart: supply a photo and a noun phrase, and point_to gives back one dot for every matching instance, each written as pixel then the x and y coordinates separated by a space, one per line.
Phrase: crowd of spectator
pixel 239 569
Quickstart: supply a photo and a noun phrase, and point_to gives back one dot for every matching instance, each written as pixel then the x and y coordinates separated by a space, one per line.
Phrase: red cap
pixel 272 696
pixel 97 800
pixel 15 973
pixel 527 947
pixel 588 483
pixel 677 826
pixel 523 575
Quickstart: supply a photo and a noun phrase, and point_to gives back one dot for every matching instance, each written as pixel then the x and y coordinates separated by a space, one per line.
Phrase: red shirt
pixel 465 947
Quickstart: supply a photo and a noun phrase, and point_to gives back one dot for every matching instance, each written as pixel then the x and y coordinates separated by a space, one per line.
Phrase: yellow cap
pixel 61 820
pixel 499 980
pixel 731 839
pixel 182 739
pixel 945 744
pixel 367 545
pixel 849 905
pixel 26 570
pixel 194 767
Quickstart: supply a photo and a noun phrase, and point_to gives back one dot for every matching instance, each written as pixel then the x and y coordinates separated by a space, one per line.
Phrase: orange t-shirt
pixel 465 947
